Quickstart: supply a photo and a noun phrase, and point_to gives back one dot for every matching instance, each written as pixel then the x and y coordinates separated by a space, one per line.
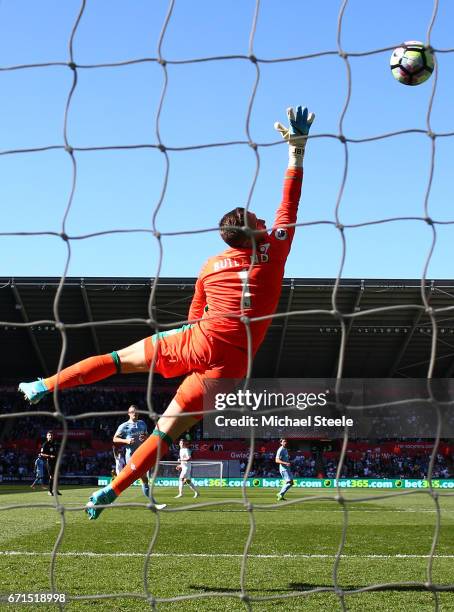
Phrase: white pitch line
pixel 349 510
pixel 18 553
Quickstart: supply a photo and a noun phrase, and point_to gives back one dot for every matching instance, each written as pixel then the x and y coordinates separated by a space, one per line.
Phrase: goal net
pixel 335 216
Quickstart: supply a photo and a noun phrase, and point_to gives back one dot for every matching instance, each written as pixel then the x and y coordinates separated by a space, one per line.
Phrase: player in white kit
pixel 120 459
pixel 184 468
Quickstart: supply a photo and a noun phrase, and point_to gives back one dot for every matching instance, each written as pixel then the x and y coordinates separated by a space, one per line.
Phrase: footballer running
pixel 184 467
pixel 283 460
pixel 131 434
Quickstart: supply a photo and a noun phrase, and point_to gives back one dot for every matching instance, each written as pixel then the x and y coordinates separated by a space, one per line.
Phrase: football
pixel 412 63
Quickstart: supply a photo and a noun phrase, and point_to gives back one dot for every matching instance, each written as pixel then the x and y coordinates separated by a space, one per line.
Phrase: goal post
pixel 199 469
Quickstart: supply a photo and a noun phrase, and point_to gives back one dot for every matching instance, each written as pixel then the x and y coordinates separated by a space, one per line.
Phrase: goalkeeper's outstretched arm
pixel 296 135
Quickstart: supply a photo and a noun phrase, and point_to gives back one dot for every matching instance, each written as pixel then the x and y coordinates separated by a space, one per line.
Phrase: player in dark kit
pixel 49 452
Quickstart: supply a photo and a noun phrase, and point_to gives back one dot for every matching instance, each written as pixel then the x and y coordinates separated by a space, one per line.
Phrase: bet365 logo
pixel 327 483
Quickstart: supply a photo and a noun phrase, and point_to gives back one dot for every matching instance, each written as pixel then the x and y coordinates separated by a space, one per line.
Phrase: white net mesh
pixel 343 319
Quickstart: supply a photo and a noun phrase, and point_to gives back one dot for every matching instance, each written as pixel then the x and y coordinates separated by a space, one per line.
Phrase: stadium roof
pixel 393 342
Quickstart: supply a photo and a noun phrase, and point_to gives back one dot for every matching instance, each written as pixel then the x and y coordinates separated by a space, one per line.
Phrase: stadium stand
pixel 385 344
pixel 397 344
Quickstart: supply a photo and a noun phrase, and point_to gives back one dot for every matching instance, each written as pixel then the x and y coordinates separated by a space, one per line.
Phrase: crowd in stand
pixel 369 465
pixel 19 465
pixel 392 466
pixel 74 403
pixel 14 463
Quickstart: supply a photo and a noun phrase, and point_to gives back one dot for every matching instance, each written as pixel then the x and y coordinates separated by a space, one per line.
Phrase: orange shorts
pixel 188 350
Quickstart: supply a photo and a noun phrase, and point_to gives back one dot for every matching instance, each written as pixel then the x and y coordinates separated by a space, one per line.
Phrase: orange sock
pixel 85 372
pixel 144 458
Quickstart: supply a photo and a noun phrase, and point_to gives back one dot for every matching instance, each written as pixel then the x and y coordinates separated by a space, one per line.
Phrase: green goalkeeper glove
pixel 296 134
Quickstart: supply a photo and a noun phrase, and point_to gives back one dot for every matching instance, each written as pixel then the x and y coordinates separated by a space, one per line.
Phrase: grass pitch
pixel 198 551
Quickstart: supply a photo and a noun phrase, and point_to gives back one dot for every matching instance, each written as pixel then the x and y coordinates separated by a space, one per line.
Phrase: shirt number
pixel 246 293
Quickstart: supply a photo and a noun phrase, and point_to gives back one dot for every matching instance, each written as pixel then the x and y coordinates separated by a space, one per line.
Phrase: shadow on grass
pixel 302 586
pixel 19 490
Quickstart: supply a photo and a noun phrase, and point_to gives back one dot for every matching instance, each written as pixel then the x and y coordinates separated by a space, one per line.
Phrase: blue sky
pixel 207 103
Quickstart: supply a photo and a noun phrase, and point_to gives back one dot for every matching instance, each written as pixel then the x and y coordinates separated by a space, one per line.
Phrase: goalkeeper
pixel 215 344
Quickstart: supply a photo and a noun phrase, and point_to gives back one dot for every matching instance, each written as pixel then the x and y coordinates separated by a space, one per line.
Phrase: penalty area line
pixel 27 553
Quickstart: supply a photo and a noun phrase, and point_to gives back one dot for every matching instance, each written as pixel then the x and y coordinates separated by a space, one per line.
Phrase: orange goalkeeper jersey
pixel 224 278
